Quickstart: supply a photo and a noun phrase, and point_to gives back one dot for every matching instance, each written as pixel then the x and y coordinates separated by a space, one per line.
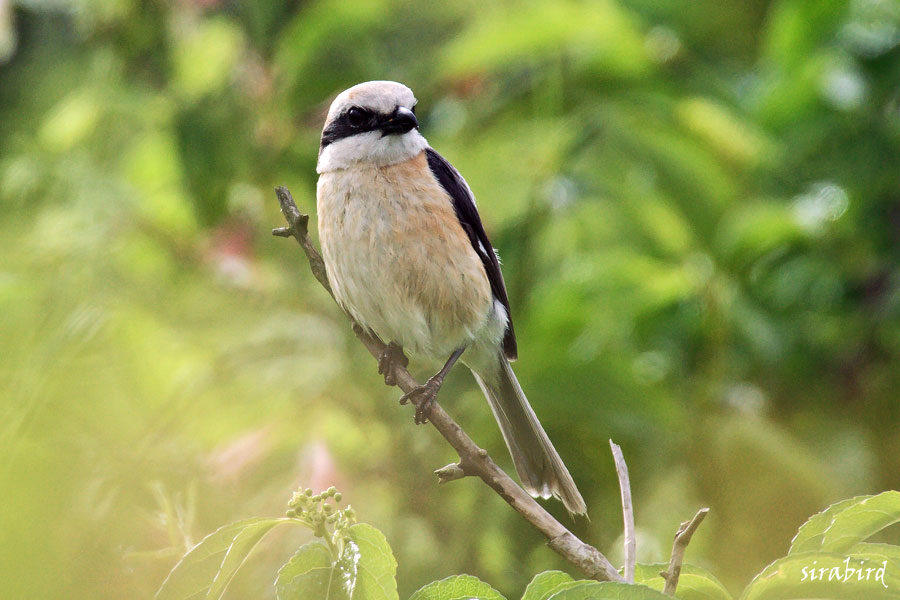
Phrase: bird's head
pixel 370 124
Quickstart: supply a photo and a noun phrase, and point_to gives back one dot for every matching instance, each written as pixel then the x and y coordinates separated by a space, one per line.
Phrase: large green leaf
pixel 205 571
pixel 312 573
pixel 809 536
pixel 376 568
pixel 457 587
pixel 545 585
pixel 839 527
pixel 827 576
pixel 608 590
pixel 694 583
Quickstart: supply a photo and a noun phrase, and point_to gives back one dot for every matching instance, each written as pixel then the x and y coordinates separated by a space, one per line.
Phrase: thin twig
pixel 627 510
pixel 682 539
pixel 475 460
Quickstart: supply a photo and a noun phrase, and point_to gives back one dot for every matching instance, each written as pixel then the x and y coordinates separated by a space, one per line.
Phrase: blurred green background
pixel 698 207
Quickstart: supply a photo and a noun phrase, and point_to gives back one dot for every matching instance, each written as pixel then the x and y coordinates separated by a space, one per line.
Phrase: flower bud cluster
pixel 320 513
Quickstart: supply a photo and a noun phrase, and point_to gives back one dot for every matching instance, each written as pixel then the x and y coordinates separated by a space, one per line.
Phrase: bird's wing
pixel 464 206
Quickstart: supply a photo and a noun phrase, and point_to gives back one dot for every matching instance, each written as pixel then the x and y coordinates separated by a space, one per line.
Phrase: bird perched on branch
pixel 407 256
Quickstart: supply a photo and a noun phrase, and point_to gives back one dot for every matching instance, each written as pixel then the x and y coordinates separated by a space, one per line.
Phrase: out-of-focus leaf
pixel 827 576
pixel 846 523
pixel 694 583
pixel 152 165
pixel 796 27
pixel 600 36
pixel 754 229
pixel 205 571
pixel 545 585
pixel 733 138
pixel 70 121
pixel 206 56
pixel 457 587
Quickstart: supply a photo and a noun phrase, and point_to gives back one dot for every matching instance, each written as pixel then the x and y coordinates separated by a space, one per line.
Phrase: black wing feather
pixel 464 205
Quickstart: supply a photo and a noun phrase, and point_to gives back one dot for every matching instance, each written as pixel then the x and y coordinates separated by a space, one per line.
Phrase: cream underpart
pixel 399 261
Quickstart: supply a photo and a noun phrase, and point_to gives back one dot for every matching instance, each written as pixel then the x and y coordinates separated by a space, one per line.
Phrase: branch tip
pixel 682 539
pixel 627 511
pixel 451 472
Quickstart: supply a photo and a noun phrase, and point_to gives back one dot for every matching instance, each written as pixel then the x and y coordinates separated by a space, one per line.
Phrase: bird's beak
pixel 401 120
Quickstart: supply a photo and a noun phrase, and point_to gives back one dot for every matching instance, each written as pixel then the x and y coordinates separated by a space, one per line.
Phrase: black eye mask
pixel 356 120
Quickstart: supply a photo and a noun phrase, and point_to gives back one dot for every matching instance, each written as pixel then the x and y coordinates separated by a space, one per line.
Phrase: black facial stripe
pixel 340 128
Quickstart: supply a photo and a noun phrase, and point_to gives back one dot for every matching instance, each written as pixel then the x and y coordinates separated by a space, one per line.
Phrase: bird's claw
pixel 391 356
pixel 423 397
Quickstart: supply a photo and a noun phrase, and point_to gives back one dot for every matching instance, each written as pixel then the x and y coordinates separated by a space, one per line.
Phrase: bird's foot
pixel 423 397
pixel 390 358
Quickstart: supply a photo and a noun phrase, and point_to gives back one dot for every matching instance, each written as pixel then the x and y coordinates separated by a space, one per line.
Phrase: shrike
pixel 407 256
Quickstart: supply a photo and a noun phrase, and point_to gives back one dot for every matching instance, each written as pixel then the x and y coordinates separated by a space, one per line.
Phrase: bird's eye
pixel 355 117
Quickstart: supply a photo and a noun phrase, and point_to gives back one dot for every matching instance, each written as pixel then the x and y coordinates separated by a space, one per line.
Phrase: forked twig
pixel 682 539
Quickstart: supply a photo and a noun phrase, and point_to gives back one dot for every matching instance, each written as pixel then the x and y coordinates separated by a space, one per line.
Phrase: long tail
pixel 539 466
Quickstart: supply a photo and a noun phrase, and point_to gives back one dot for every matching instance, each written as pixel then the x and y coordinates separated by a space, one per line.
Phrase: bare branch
pixel 627 510
pixel 475 460
pixel 682 539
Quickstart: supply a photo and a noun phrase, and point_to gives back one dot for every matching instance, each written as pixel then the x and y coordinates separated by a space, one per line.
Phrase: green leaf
pixel 844 524
pixel 376 568
pixel 826 575
pixel 311 573
pixel 608 590
pixel 885 551
pixel 206 569
pixel 809 536
pixel 694 583
pixel 457 587
pixel 545 585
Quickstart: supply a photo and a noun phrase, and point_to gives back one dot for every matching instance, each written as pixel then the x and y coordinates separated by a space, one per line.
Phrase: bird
pixel 407 257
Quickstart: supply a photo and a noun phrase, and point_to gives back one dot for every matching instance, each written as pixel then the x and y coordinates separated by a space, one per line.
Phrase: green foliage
pixel 355 562
pixel 830 559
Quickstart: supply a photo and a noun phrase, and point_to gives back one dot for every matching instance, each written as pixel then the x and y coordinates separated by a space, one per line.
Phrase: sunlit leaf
pixel 457 587
pixel 375 564
pixel 809 536
pixel 313 573
pixel 205 571
pixel 848 522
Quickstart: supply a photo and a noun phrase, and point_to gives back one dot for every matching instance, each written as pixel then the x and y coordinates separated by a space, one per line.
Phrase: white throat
pixel 370 149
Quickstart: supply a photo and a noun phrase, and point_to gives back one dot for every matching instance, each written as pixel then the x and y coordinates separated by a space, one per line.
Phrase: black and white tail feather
pixel 539 466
